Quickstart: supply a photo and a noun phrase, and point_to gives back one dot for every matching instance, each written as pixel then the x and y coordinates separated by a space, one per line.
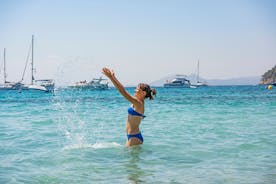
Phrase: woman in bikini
pixel 136 111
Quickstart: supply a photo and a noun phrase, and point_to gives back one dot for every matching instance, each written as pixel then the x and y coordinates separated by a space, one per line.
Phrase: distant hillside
pixel 214 82
pixel 235 81
pixel 269 77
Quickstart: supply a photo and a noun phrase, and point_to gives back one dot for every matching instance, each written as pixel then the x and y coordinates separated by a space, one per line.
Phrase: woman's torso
pixel 133 122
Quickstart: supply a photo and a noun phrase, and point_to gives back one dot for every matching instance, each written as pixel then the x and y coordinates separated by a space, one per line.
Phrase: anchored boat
pixel 10 85
pixel 47 85
pixel 93 84
pixel 180 81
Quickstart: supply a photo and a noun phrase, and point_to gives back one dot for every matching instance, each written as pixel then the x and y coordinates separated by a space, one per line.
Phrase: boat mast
pixel 197 77
pixel 32 60
pixel 5 74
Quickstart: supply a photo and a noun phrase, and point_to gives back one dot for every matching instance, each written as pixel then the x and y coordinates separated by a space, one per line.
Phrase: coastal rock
pixel 269 77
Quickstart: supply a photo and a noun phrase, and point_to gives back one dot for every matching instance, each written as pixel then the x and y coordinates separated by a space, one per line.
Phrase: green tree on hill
pixel 269 77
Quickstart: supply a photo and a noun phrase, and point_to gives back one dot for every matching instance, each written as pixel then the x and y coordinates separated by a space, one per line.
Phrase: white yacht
pixel 93 84
pixel 180 81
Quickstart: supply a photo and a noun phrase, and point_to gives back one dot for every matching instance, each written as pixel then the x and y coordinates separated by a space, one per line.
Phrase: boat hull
pixel 102 87
pixel 176 86
pixel 13 86
pixel 41 88
pixel 94 84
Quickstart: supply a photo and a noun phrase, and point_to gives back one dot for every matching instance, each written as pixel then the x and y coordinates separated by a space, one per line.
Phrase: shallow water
pixel 203 135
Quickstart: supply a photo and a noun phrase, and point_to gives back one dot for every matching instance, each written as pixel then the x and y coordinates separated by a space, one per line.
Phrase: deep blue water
pixel 204 135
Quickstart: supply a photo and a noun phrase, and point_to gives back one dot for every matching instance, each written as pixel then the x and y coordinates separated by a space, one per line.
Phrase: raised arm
pixel 111 75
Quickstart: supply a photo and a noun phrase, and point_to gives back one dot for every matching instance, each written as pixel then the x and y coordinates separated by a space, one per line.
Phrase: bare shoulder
pixel 139 105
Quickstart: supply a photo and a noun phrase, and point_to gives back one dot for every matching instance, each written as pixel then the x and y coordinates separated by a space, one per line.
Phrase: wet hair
pixel 150 93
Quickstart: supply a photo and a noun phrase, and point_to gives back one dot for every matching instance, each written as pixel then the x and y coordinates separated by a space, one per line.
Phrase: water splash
pixel 78 123
pixel 103 145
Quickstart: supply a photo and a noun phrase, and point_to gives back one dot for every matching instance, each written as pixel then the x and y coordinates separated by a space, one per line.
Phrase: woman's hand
pixel 109 73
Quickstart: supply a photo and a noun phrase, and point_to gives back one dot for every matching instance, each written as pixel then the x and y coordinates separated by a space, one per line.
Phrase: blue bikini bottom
pixel 138 136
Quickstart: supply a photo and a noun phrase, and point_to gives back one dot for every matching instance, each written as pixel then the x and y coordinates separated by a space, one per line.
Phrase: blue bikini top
pixel 132 112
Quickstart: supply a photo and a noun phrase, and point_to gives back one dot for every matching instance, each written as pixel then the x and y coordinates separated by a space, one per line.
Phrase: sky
pixel 142 40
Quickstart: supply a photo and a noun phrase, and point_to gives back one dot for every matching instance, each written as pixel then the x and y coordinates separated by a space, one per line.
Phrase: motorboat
pixel 180 81
pixel 95 83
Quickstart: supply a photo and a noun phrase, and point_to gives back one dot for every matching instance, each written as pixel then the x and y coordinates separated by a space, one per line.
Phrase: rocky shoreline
pixel 269 77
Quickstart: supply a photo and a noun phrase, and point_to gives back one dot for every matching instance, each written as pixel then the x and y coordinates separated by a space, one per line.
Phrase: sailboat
pixel 47 85
pixel 198 83
pixel 10 85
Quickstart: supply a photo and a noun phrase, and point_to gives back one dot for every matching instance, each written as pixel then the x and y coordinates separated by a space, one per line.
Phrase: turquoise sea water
pixel 203 135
